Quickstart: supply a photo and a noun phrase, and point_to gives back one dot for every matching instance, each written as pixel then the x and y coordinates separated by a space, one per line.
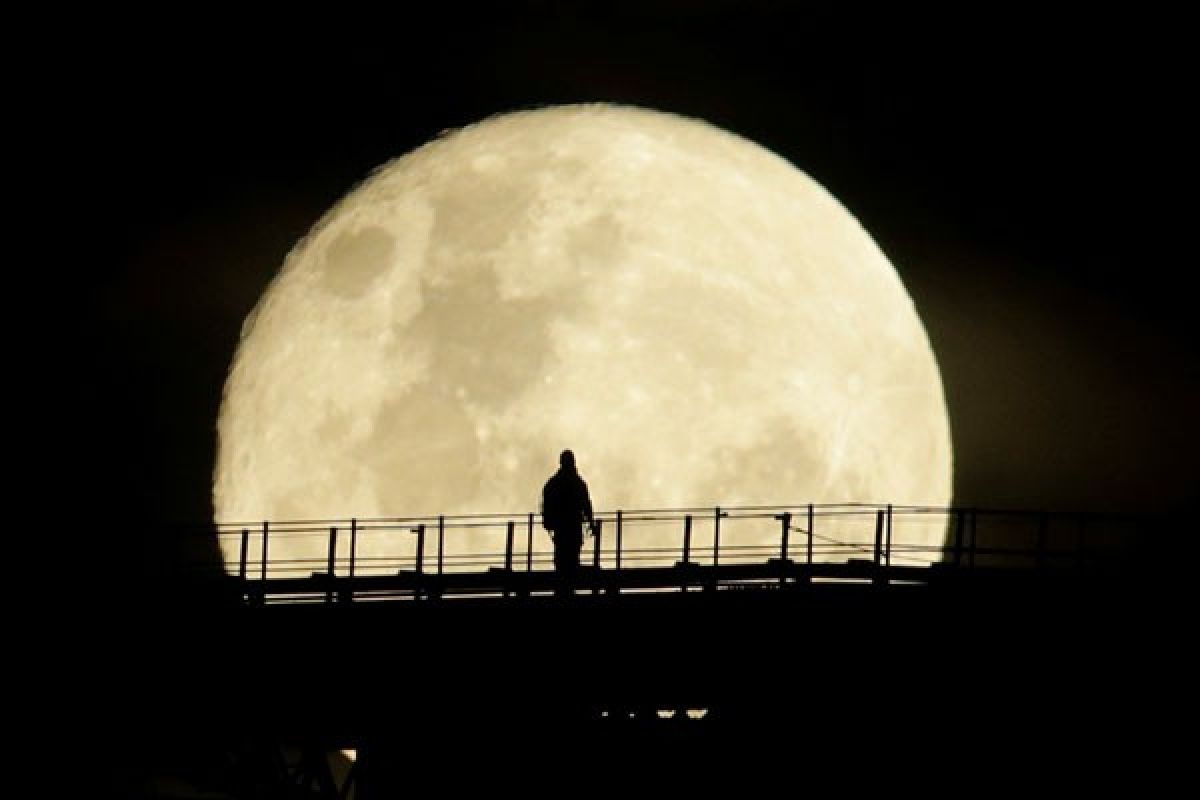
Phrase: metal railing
pixel 815 536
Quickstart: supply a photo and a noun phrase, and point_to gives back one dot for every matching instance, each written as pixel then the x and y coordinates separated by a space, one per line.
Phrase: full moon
pixel 701 322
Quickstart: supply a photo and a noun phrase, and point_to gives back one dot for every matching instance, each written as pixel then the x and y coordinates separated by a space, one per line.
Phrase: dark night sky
pixel 1017 170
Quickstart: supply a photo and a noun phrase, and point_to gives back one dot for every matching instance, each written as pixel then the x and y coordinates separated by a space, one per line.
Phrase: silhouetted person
pixel 566 506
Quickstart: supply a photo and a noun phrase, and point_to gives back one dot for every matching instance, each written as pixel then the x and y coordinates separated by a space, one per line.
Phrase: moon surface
pixel 701 322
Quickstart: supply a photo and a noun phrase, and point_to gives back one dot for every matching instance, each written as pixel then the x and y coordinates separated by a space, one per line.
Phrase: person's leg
pixel 567 548
pixel 573 546
pixel 562 565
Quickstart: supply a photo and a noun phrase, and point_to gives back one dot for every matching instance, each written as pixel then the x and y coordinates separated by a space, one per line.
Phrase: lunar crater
pixel 355 261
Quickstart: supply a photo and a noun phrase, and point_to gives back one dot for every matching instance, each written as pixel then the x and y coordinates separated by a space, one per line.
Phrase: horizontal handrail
pixel 825 533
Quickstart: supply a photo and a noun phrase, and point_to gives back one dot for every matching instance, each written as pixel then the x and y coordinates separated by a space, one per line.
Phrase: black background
pixel 1022 169
pixel 1026 171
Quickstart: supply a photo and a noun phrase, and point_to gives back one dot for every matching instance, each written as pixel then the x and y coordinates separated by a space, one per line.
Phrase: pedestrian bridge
pixel 425 640
pixel 447 558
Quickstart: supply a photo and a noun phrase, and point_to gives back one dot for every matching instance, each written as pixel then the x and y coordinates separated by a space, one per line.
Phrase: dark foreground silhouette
pixel 1037 679
pixel 566 508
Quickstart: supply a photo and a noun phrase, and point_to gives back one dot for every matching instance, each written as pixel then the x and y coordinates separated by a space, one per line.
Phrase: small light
pixel 697 713
pixel 665 713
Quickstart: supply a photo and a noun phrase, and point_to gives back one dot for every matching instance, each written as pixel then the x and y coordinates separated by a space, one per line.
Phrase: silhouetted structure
pixel 566 506
pixel 1024 640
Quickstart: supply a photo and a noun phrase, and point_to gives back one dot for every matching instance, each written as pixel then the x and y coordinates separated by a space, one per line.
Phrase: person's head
pixel 566 459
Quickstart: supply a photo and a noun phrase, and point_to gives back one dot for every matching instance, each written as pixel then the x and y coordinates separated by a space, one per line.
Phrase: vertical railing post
pixel 245 554
pixel 266 531
pixel 331 564
pixel 878 538
pixel 687 538
pixel 687 552
pixel 809 553
pixel 331 561
pixel 420 562
pixel 529 543
pixel 785 530
pixel 441 541
pixel 716 536
pixel 353 550
pixel 508 545
pixel 510 531
pixel 597 532
pixel 887 553
pixel 620 532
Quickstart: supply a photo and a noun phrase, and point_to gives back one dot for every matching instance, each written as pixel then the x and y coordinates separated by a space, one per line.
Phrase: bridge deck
pixel 503 583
